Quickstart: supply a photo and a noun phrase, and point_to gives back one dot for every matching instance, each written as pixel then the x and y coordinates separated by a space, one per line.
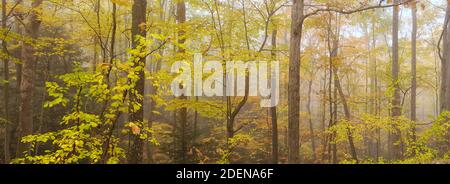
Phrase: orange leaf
pixel 135 129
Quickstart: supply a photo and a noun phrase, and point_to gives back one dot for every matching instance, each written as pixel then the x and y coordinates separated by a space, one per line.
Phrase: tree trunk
pixel 27 77
pixel 311 125
pixel 347 115
pixel 333 118
pixel 413 66
pixel 273 110
pixel 445 66
pixel 324 137
pixel 338 89
pixel 297 19
pixel 106 144
pixel 16 53
pixel 373 87
pixel 332 96
pixel 6 88
pixel 138 29
pixel 150 108
pixel 182 119
pixel 396 104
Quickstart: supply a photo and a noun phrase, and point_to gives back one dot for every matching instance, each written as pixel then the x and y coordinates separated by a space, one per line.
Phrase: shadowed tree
pixel 28 75
pixel 138 30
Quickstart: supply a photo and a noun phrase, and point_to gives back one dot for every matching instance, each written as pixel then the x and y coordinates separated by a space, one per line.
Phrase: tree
pixel 396 109
pixel 138 33
pixel 273 110
pixel 297 19
pixel 311 125
pixel 6 87
pixel 182 113
pixel 89 61
pixel 445 62
pixel 414 63
pixel 112 58
pixel 27 76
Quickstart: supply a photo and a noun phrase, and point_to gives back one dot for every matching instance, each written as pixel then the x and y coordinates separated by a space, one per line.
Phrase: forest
pixel 92 82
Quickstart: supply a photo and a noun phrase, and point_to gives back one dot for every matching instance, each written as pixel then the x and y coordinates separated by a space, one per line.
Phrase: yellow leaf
pixel 135 129
pixel 125 3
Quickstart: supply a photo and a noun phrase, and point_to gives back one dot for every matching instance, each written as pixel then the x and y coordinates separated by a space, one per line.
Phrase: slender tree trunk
pixel 375 91
pixel 396 110
pixel 311 125
pixel 149 106
pixel 232 114
pixel 106 143
pixel 368 90
pixel 324 113
pixel 138 29
pixel 195 128
pixel 347 115
pixel 273 110
pixel 334 48
pixel 332 97
pixel 113 34
pixel 16 53
pixel 6 88
pixel 40 128
pixel 413 66
pixel 182 119
pixel 373 86
pixel 297 19
pixel 334 121
pixel 27 76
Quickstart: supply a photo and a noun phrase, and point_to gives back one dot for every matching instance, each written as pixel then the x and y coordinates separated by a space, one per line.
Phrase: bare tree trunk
pixel 6 87
pixel 368 90
pixel 297 19
pixel 273 110
pixel 396 110
pixel 324 137
pixel 46 75
pixel 445 65
pixel 332 97
pixel 376 90
pixel 139 11
pixel 182 119
pixel 373 149
pixel 334 119
pixel 113 34
pixel 311 125
pixel 413 66
pixel 27 76
pixel 16 53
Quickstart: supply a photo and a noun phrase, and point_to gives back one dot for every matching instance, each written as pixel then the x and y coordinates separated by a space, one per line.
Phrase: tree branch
pixel 347 12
